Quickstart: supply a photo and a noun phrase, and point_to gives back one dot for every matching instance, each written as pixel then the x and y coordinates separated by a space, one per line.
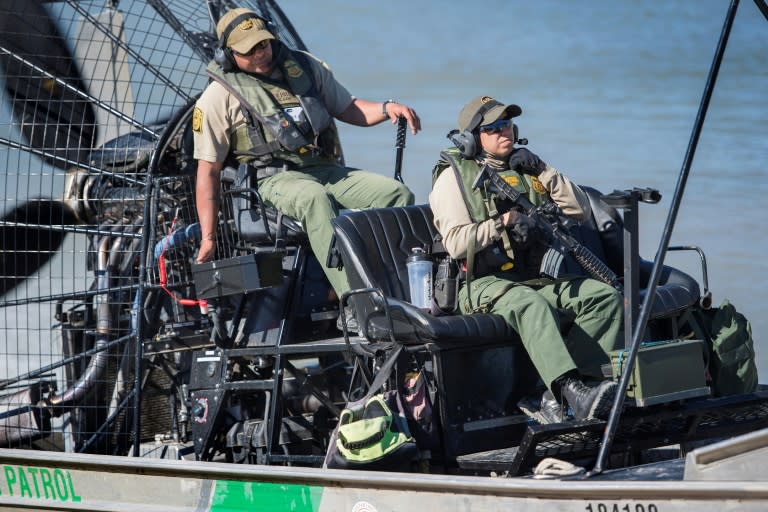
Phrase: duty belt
pixel 270 170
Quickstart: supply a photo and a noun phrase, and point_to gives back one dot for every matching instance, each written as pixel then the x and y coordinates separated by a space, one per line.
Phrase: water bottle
pixel 419 266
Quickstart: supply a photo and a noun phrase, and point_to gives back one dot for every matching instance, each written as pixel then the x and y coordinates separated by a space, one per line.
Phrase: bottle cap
pixel 417 254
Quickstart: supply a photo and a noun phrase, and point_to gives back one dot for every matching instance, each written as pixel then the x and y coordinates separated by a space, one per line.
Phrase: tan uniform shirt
pixel 453 221
pixel 220 113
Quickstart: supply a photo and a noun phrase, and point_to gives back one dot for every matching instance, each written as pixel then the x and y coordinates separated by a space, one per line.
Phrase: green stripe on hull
pixel 230 495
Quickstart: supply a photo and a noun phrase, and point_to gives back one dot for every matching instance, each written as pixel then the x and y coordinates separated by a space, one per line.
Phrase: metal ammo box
pixel 243 274
pixel 664 372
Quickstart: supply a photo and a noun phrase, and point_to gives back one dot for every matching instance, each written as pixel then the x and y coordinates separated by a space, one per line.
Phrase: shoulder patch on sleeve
pixel 537 186
pixel 197 120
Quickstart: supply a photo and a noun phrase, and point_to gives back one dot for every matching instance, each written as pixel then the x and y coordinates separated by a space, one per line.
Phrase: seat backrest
pixel 380 240
pixel 609 228
pixel 253 221
pixel 376 243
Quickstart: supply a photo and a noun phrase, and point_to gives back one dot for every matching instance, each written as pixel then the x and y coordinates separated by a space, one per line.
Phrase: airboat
pixel 134 378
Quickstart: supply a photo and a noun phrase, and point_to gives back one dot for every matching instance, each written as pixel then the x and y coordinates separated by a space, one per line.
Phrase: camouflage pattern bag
pixel 728 335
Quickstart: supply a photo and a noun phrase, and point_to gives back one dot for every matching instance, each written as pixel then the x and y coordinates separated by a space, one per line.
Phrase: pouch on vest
pixel 285 130
pixel 445 296
pixel 445 293
pixel 728 335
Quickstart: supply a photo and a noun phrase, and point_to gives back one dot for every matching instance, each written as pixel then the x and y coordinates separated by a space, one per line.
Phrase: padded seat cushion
pixel 676 292
pixel 413 326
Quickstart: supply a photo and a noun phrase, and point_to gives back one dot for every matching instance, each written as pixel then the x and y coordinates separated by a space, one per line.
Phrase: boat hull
pixel 56 481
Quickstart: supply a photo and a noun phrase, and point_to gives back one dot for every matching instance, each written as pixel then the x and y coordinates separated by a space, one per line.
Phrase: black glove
pixel 520 226
pixel 523 160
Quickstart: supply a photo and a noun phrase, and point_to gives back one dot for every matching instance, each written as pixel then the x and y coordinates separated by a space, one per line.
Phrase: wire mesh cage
pixel 97 233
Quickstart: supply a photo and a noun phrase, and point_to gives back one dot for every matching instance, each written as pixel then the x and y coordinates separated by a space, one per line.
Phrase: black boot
pixel 544 408
pixel 588 402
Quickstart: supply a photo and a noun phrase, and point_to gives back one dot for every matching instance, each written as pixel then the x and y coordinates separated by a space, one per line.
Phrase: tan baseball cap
pixel 485 110
pixel 248 31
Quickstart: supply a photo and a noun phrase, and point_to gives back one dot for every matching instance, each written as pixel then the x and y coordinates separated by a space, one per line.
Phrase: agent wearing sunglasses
pixel 273 108
pixel 505 278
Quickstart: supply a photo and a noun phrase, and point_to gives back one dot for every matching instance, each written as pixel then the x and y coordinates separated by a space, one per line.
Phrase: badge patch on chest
pixel 537 186
pixel 512 181
pixel 293 69
pixel 197 120
pixel 284 97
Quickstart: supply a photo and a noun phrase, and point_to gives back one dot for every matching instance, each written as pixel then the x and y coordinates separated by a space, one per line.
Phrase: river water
pixel 610 91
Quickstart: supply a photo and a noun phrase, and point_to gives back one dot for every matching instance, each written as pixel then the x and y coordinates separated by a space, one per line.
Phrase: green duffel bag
pixel 728 335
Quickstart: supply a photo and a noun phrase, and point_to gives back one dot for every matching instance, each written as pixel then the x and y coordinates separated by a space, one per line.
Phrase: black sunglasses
pixel 496 126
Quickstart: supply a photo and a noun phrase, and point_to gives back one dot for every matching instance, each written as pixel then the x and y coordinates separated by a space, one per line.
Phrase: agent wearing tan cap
pixel 272 107
pixel 508 251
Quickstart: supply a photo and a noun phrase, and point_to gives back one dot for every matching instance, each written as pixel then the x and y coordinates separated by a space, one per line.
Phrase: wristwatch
pixel 384 106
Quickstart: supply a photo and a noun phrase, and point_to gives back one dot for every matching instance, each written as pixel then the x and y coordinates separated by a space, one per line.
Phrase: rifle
pixel 548 218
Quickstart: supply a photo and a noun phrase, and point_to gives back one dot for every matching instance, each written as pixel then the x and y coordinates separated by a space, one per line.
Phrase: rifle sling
pixel 471 262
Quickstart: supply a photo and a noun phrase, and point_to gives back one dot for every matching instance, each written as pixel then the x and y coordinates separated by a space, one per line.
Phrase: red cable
pixel 203 303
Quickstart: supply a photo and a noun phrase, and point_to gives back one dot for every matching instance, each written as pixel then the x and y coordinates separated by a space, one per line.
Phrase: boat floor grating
pixel 640 430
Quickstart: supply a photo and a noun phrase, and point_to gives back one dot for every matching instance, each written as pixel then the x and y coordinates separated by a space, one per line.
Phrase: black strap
pixel 260 146
pixel 471 262
pixel 475 122
pixel 460 182
pixel 384 372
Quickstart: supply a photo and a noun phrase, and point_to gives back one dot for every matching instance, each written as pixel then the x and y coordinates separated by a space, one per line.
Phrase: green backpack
pixel 375 435
pixel 373 432
pixel 728 335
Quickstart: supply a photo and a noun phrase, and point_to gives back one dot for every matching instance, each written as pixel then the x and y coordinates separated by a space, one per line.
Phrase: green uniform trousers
pixel 532 312
pixel 314 195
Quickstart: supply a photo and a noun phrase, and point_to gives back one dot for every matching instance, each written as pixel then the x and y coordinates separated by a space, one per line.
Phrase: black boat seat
pixel 374 245
pixel 475 362
pixel 254 221
pixel 480 369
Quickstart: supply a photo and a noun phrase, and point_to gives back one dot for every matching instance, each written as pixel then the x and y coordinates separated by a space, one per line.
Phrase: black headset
pixel 467 141
pixel 222 55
